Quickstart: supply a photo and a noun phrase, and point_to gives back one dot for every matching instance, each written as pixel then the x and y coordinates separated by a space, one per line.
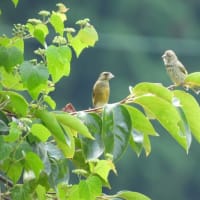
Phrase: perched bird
pixel 101 89
pixel 174 67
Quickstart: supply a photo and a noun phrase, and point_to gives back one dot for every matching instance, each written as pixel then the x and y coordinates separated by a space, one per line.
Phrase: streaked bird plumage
pixel 174 67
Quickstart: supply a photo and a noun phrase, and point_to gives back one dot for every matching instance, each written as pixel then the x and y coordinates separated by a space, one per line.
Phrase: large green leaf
pixel 166 114
pixel 34 78
pixel 21 192
pixel 116 129
pixel 16 104
pixel 152 88
pixel 58 61
pixel 191 110
pixel 92 148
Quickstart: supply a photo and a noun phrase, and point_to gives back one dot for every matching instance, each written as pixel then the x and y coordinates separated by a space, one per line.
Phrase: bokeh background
pixel 132 37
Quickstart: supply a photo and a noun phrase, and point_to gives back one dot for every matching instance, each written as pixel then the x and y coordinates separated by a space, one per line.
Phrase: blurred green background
pixel 132 37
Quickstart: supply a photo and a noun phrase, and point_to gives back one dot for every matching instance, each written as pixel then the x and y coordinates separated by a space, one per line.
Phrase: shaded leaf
pixel 34 77
pixel 10 57
pixel 92 148
pixel 116 129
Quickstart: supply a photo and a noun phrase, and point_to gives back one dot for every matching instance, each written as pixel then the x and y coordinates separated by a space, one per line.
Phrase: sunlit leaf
pixel 166 114
pixel 102 169
pixel 57 21
pixel 191 110
pixel 40 132
pixel 58 61
pixel 193 79
pixel 33 163
pixel 74 123
pixel 17 103
pixel 15 2
pixel 152 88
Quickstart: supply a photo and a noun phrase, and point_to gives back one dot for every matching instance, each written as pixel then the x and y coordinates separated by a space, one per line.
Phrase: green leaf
pixel 34 77
pixel 14 171
pixel 59 172
pixel 191 110
pixel 102 169
pixel 116 129
pixel 50 102
pixel 5 149
pixel 15 2
pixel 17 103
pixel 141 128
pixel 57 22
pixel 152 88
pixel 74 123
pixel 193 79
pixel 39 31
pixel 10 57
pixel 41 192
pixel 128 195
pixel 33 163
pixel 90 188
pixel 21 192
pixel 58 61
pixel 11 80
pixel 166 114
pixel 92 148
pixel 50 121
pixel 14 133
pixel 3 127
pixel 41 132
pixel 86 37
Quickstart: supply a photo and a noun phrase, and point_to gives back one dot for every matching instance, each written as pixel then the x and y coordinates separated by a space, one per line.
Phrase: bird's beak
pixel 163 56
pixel 111 76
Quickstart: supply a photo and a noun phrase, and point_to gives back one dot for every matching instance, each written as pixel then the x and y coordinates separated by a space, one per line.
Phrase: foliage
pixel 38 144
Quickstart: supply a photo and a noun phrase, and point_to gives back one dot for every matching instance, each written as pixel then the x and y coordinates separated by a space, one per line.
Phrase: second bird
pixel 174 67
pixel 101 89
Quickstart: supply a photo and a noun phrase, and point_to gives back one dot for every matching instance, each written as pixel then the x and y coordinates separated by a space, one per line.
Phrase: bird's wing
pixel 182 68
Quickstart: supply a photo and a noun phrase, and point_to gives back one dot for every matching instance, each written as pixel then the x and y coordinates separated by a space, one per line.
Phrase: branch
pixel 6 181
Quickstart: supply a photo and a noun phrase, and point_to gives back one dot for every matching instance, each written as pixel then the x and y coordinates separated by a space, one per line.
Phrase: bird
pixel 101 89
pixel 176 70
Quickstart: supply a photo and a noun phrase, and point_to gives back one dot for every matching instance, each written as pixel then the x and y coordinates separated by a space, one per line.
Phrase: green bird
pixel 101 89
